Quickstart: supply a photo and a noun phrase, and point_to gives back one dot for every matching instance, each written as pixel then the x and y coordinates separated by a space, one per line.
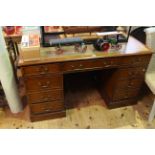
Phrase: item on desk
pixel 77 47
pixel 80 48
pixel 65 41
pixel 59 50
pixel 84 48
pixel 30 47
pixel 105 46
pixel 102 45
pixel 97 44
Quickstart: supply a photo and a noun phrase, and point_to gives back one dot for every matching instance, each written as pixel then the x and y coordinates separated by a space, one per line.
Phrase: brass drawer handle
pixel 130 84
pixel 72 66
pixel 46 110
pixel 80 65
pixel 43 70
pixel 104 63
pixel 45 98
pixel 46 69
pixel 44 85
pixel 107 65
pixel 143 70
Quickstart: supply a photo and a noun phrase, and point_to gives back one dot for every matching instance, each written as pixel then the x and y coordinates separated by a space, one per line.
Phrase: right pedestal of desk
pixel 122 87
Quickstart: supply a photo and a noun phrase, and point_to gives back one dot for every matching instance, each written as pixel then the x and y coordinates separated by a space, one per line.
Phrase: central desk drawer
pixel 41 69
pixel 37 83
pixel 45 96
pixel 46 107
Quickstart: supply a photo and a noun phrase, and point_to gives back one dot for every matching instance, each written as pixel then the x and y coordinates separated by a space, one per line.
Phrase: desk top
pixel 132 47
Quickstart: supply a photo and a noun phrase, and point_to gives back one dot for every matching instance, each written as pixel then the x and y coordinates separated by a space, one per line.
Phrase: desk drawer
pixel 129 83
pixel 131 73
pixel 124 94
pixel 77 65
pixel 46 107
pixel 38 83
pixel 41 69
pixel 136 60
pixel 45 96
pixel 107 62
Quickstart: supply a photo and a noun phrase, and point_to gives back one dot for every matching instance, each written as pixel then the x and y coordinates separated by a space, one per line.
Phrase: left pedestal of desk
pixel 44 90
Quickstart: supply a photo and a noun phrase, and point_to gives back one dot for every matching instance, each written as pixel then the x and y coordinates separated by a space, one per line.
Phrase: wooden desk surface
pixel 133 47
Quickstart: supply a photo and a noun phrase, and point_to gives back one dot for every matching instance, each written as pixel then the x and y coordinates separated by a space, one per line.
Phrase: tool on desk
pixel 66 41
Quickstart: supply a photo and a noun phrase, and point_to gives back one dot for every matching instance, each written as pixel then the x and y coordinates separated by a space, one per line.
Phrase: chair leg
pixel 152 113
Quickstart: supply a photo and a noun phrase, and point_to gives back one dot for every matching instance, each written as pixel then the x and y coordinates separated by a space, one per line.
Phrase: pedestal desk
pixel 43 77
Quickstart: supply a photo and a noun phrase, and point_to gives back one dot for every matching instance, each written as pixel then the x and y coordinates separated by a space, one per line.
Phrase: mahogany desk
pixel 44 83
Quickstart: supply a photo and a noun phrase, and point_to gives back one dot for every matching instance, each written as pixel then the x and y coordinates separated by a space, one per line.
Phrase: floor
pixel 87 111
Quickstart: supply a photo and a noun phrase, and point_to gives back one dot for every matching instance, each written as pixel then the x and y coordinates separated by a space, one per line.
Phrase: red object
pixel 105 46
pixel 9 30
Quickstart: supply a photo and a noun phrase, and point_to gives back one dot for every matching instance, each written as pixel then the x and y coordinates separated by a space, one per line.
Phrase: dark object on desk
pixel 66 41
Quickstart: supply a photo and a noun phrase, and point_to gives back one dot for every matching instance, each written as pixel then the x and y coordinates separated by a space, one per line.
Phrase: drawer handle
pixel 45 98
pixel 46 69
pixel 107 65
pixel 143 70
pixel 44 85
pixel 47 110
pixel 72 66
pixel 80 65
pixel 43 70
pixel 104 63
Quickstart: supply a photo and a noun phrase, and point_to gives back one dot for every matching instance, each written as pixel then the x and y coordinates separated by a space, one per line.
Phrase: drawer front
pixel 129 83
pixel 90 64
pixel 46 82
pixel 77 65
pixel 106 62
pixel 131 73
pixel 124 94
pixel 41 69
pixel 136 61
pixel 46 107
pixel 45 96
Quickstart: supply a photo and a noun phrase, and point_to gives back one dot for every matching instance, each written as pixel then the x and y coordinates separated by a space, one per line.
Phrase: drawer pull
pixel 80 65
pixel 46 69
pixel 43 70
pixel 44 85
pixel 143 69
pixel 107 65
pixel 72 66
pixel 45 98
pixel 47 110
